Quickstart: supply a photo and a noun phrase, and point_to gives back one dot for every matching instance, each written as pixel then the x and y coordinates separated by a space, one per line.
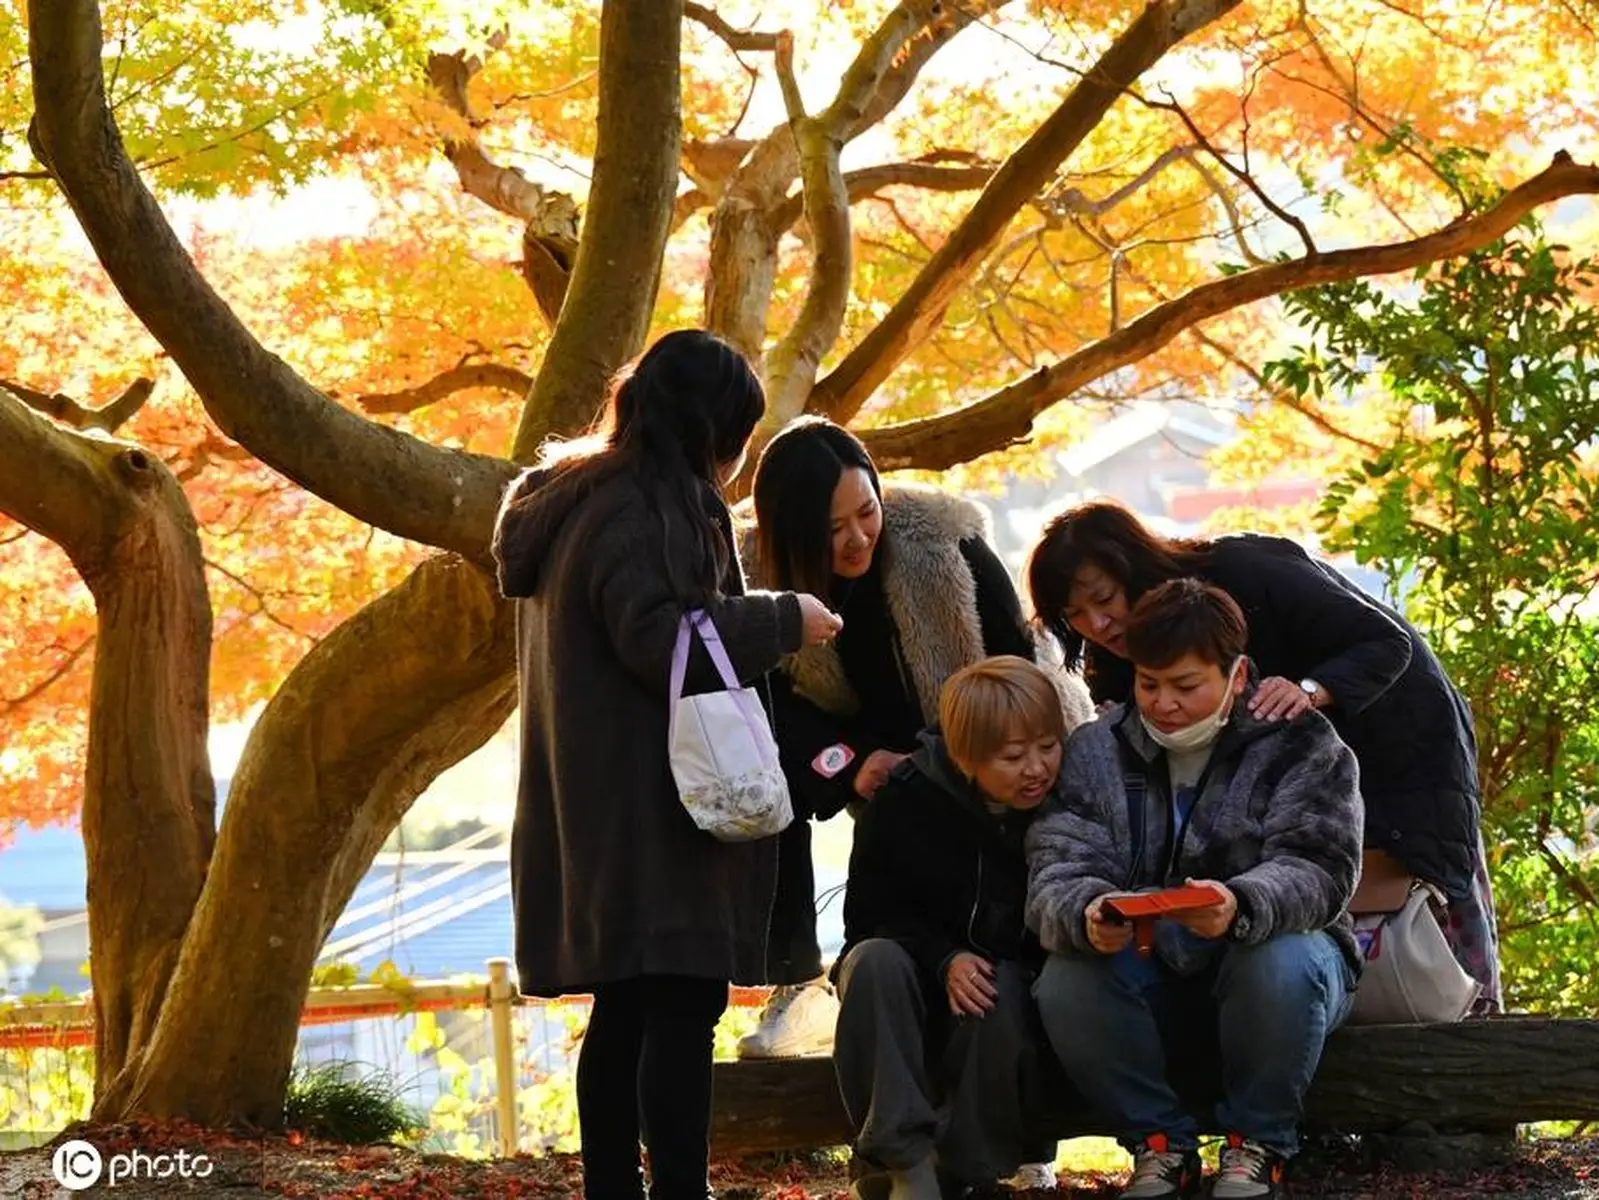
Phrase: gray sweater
pixel 1278 820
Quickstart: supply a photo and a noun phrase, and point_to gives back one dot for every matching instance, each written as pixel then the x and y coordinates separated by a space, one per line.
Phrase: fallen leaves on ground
pixel 245 1165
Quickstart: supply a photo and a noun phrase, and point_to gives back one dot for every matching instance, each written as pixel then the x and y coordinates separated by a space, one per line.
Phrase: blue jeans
pixel 1273 1006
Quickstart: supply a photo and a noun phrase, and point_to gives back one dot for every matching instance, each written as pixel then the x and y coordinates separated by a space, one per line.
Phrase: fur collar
pixel 929 590
pixel 932 599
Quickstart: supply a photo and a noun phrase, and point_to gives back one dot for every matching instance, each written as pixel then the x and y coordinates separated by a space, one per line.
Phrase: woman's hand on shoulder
pixel 1279 699
pixel 819 624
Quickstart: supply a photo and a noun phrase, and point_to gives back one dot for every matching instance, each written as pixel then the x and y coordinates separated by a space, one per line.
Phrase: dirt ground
pixel 241 1167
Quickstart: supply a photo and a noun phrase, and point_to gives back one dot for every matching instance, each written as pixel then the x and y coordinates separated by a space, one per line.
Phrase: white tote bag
pixel 1411 975
pixel 723 755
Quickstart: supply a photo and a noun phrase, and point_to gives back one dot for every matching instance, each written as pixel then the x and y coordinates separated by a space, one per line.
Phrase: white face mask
pixel 1202 732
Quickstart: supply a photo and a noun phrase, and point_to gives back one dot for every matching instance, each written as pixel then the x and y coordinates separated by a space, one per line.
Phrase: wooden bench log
pixel 1476 1075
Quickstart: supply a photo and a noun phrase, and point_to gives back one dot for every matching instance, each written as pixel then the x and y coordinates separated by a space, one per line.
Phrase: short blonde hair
pixel 997 700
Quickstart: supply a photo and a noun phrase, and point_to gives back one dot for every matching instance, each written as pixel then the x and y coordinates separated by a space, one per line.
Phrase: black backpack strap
pixel 1135 787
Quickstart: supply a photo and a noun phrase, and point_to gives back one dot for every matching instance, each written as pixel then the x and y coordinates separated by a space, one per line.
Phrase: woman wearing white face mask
pixel 1189 785
pixel 1317 642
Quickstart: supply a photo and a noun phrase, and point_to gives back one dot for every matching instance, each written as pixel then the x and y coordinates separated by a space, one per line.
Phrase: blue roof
pixel 432 915
pixel 44 867
pixel 432 918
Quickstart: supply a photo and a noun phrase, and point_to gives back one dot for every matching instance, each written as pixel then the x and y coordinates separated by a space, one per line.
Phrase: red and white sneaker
pixel 1160 1172
pixel 1249 1171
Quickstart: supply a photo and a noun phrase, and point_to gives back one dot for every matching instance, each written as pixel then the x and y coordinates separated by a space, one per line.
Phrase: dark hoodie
pixel 610 877
pixel 933 869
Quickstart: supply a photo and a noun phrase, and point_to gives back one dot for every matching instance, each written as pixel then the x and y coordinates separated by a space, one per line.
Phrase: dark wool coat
pixel 1393 703
pixel 610 877
pixel 1277 819
pixel 937 872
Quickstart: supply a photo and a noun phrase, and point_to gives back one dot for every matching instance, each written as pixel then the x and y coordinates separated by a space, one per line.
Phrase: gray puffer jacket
pixel 1278 820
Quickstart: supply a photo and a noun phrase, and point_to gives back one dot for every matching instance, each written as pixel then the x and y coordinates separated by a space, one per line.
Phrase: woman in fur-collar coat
pixel 921 594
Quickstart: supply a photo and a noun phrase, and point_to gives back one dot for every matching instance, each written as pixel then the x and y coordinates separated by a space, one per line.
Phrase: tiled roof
pixel 433 914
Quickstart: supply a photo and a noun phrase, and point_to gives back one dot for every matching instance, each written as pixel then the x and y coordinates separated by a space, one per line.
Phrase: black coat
pixel 937 872
pixel 1393 704
pixel 891 714
pixel 610 877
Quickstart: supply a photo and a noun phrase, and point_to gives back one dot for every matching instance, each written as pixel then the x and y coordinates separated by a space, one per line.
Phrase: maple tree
pixel 302 523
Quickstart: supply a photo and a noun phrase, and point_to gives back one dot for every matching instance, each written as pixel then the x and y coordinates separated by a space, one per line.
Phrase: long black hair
pixel 1105 535
pixel 674 419
pixel 794 483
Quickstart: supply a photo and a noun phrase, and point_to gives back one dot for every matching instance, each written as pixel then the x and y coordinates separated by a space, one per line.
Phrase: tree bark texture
pixel 1478 1074
pixel 409 686
pixel 149 809
pixel 616 274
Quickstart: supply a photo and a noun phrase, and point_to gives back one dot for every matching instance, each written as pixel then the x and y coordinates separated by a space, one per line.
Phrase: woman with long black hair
pixel 1318 642
pixel 617 893
pixel 922 595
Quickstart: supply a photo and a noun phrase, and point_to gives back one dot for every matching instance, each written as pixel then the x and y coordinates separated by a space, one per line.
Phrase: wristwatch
pixel 1314 690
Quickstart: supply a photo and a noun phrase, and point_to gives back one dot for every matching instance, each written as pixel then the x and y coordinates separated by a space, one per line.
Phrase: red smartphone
pixel 1143 910
pixel 1165 903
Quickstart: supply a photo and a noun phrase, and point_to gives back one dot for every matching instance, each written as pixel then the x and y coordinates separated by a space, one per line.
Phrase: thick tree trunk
pixel 149 803
pixel 149 810
pixel 607 307
pixel 407 687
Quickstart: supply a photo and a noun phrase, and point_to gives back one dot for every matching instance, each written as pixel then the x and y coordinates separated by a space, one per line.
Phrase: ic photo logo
pixel 78 1165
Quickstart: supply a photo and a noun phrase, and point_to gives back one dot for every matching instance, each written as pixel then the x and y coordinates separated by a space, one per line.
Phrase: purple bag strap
pixel 700 620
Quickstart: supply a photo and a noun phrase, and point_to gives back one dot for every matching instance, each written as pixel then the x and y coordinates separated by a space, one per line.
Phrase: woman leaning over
pixel 616 892
pixel 1318 642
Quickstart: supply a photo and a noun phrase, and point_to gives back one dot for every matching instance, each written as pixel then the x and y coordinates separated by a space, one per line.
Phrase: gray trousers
pixel 917 1082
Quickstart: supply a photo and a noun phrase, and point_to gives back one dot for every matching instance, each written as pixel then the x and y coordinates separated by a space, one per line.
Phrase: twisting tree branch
pixel 744 233
pixel 1230 206
pixel 445 384
pixel 1243 174
pixel 68 411
pixel 920 310
pixel 550 229
pixel 796 358
pixel 1006 416
pixel 738 40
pixel 868 181
pixel 1072 200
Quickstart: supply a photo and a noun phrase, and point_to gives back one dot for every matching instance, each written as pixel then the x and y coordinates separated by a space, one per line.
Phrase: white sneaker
pixel 797 1021
pixel 1033 1177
